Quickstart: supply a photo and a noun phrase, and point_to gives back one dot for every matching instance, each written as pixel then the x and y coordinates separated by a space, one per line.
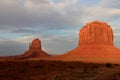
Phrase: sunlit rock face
pixel 96 33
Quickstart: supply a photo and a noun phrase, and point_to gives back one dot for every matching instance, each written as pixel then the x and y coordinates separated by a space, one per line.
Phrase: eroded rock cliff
pixel 36 44
pixel 96 33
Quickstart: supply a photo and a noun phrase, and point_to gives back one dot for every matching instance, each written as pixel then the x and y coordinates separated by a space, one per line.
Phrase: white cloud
pixel 26 39
pixel 98 12
pixel 110 3
pixel 117 34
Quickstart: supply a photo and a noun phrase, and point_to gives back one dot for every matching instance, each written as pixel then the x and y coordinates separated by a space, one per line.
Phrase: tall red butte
pixel 95 44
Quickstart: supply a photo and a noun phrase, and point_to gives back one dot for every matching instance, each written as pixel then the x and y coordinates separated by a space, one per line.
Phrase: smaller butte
pixel 35 50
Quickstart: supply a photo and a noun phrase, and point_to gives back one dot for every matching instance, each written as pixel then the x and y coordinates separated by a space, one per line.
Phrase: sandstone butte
pixel 95 44
pixel 35 50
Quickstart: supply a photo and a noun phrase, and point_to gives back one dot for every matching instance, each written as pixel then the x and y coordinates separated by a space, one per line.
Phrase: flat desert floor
pixel 57 70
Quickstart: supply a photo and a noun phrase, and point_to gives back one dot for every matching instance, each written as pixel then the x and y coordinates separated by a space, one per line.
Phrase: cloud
pixel 48 14
pixel 98 12
pixel 58 45
pixel 25 39
pixel 55 22
pixel 38 14
pixel 110 3
pixel 9 47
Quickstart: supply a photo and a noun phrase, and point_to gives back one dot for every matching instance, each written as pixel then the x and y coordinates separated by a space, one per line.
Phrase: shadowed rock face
pixel 36 44
pixel 96 33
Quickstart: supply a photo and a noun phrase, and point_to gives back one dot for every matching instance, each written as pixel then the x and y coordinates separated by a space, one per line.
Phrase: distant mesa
pixel 35 50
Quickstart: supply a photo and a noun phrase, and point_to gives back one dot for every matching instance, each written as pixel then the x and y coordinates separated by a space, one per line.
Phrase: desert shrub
pixel 85 69
pixel 23 70
pixel 26 63
pixel 71 67
pixel 38 67
pixel 52 65
pixel 94 67
pixel 41 61
pixel 108 65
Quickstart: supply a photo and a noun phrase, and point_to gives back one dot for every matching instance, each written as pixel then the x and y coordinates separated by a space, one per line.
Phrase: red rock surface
pixel 96 33
pixel 36 44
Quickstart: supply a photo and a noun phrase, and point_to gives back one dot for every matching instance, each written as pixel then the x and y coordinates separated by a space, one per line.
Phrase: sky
pixel 55 22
